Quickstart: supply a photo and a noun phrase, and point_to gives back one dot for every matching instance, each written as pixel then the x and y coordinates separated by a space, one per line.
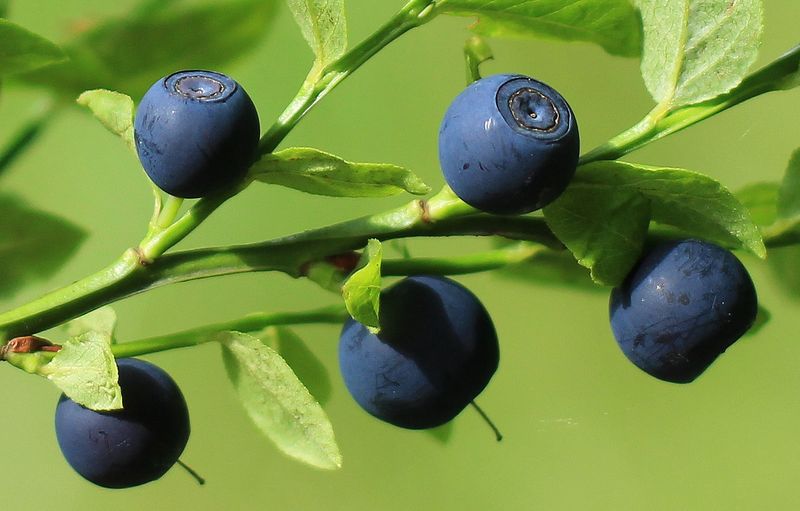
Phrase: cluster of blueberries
pixel 508 144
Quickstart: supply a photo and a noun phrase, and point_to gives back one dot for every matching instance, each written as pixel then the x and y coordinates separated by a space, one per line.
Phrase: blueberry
pixel 682 305
pixel 436 352
pixel 196 132
pixel 132 446
pixel 508 144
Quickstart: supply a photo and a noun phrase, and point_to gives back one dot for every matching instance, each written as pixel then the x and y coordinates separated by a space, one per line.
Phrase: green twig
pixel 778 75
pixel 442 215
pixel 460 265
pixel 413 14
pixel 250 323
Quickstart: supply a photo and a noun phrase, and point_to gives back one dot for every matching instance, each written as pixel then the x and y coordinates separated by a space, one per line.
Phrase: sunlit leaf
pixel 695 50
pixel 85 370
pixel 314 171
pixel 113 110
pixel 362 290
pixel 613 24
pixel 277 401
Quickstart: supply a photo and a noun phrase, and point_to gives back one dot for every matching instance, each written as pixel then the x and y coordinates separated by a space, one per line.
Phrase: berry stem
pixel 197 477
pixel 164 238
pixel 460 265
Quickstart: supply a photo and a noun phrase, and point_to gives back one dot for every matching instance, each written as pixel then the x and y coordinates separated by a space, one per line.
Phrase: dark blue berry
pixel 682 306
pixel 196 133
pixel 132 446
pixel 436 351
pixel 508 144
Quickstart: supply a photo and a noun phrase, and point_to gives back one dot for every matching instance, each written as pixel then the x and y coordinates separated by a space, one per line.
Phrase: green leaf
pixel 613 24
pixel 33 244
pixel 313 171
pixel 324 26
pixel 102 320
pixel 3 8
pixel 789 194
pixel 604 229
pixel 695 50
pixel 362 290
pixel 85 370
pixel 308 368
pixel 761 200
pixel 590 217
pixel 476 52
pixel 128 54
pixel 113 110
pixel 22 50
pixel 277 401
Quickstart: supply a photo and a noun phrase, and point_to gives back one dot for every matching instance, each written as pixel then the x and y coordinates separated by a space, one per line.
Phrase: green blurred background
pixel 584 429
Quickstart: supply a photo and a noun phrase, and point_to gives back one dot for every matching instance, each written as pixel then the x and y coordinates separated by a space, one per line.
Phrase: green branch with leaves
pixel 601 223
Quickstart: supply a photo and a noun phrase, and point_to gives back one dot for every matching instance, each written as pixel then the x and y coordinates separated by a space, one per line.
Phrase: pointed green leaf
pixel 695 50
pixel 113 110
pixel 604 229
pixel 362 290
pixel 33 244
pixel 589 217
pixel 22 50
pixel 613 24
pixel 277 401
pixel 102 321
pixel 789 193
pixel 324 26
pixel 313 171
pixel 85 370
pixel 308 368
pixel 128 54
